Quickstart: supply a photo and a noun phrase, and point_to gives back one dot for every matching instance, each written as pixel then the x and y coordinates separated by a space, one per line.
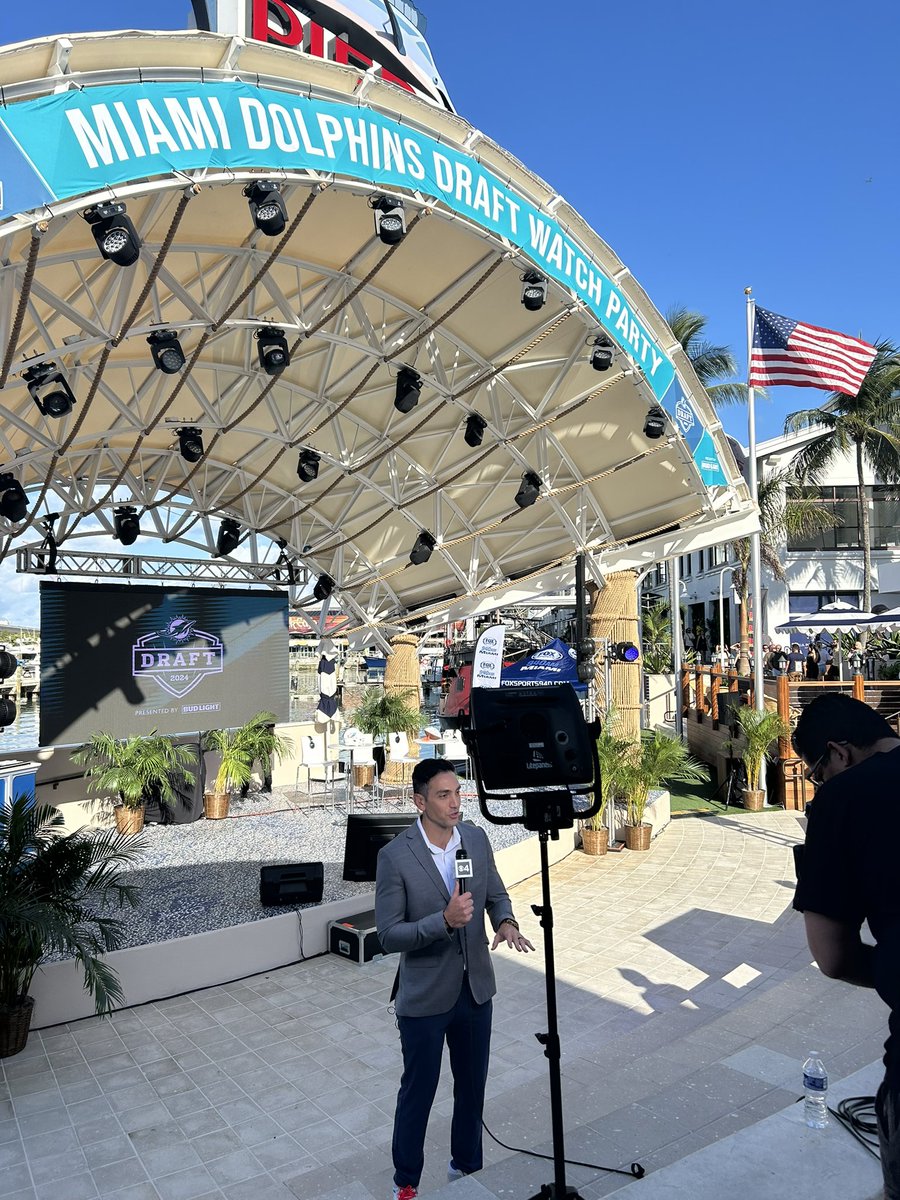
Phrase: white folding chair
pixel 397 751
pixel 318 766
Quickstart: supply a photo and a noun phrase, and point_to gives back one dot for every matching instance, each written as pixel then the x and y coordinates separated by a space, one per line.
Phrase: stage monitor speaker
pixel 292 883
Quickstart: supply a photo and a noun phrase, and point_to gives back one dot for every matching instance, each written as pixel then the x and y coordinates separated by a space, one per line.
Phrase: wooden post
pixel 686 691
pixel 784 711
pixel 859 688
pixel 698 693
pixel 715 681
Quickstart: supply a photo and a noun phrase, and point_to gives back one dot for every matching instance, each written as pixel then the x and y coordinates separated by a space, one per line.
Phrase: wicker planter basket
pixel 215 805
pixel 363 775
pixel 753 801
pixel 637 837
pixel 129 820
pixel 594 841
pixel 15 1021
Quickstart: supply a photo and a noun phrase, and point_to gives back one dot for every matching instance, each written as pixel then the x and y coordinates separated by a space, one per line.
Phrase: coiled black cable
pixel 857 1115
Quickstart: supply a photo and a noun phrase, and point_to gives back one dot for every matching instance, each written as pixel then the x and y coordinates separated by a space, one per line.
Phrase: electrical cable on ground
pixel 857 1115
pixel 636 1171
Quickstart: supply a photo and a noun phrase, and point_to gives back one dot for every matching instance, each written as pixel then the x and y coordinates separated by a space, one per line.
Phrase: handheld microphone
pixel 462 868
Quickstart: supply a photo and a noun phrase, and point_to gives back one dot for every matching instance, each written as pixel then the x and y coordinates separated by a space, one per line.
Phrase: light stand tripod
pixel 550 1040
pixel 532 745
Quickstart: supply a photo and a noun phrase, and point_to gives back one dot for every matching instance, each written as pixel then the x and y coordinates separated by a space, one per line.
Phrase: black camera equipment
pixel 533 745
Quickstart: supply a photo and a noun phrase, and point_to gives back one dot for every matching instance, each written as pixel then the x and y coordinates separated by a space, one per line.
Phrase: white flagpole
pixel 755 563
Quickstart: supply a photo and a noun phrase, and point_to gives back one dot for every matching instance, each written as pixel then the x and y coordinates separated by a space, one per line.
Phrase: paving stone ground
pixel 687 1003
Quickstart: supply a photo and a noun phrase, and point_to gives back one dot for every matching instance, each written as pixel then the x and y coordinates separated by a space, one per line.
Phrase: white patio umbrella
pixel 838 617
pixel 884 621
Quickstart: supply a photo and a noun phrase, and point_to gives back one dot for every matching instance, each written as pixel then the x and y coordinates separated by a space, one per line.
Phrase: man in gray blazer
pixel 446 979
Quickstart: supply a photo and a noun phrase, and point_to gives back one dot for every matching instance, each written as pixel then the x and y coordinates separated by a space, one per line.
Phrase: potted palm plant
pixel 56 890
pixel 239 750
pixel 133 772
pixel 662 759
pixel 759 730
pixel 382 713
pixel 612 755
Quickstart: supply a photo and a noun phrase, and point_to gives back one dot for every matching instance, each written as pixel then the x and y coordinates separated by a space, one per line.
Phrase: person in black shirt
pixel 811 670
pixel 845 876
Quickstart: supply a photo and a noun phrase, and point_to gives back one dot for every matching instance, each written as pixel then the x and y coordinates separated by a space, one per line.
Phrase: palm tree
pixel 781 519
pixel 869 423
pixel 712 364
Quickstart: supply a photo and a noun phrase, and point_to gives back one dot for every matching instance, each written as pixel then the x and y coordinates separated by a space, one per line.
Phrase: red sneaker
pixel 407 1192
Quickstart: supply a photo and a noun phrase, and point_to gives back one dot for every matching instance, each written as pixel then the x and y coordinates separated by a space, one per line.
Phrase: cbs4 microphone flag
pixel 785 351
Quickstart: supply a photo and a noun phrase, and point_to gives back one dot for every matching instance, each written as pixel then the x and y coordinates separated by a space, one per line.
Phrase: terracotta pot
pixel 129 820
pixel 15 1022
pixel 215 805
pixel 594 841
pixel 753 800
pixel 637 837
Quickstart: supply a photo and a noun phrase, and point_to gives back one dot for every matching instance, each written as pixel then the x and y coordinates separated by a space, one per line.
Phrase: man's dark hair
pixel 837 718
pixel 426 769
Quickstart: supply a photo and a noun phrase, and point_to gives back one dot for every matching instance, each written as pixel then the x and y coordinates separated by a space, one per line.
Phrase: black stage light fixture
pixel 409 385
pixel 165 347
pixel 602 353
pixel 626 652
pixel 529 489
pixel 390 218
pixel 421 551
pixel 49 390
pixel 8 667
pixel 475 427
pixel 190 443
pixel 273 349
pixel 13 501
pixel 584 659
pixel 127 524
pixel 267 207
pixel 534 290
pixel 114 233
pixel 324 587
pixel 655 424
pixel 308 466
pixel 229 537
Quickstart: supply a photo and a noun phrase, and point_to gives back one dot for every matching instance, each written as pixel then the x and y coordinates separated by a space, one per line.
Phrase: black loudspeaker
pixel 292 883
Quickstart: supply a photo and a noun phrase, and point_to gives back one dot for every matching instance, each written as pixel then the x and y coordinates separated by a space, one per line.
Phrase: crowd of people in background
pixel 816 663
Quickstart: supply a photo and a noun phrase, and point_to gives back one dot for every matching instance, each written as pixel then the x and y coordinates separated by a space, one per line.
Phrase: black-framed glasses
pixel 813 774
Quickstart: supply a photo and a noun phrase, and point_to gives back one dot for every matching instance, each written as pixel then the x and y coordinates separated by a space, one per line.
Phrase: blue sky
pixel 709 150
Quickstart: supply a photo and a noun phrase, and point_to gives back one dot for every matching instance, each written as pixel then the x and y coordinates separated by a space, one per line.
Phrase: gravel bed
pixel 205 875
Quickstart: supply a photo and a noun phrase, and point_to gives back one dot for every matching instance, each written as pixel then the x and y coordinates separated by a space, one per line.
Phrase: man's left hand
pixel 509 934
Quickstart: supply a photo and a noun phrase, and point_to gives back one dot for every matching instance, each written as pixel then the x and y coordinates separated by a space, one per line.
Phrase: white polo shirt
pixel 444 859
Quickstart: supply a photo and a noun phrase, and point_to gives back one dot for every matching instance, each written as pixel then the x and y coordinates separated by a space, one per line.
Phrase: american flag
pixel 792 352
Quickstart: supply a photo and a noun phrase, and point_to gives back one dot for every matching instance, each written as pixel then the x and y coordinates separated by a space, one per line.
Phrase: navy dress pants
pixel 467 1030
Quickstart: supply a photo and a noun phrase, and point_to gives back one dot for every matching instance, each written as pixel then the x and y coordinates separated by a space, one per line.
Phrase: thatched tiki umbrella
pixel 402 677
pixel 614 616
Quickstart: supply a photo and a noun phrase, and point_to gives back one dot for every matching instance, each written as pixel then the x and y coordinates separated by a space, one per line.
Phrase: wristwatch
pixel 511 921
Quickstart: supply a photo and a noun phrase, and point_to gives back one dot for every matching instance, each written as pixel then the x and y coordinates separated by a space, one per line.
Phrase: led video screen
pixel 130 660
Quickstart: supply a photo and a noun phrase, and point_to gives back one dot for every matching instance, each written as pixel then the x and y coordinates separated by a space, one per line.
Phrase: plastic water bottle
pixel 815 1091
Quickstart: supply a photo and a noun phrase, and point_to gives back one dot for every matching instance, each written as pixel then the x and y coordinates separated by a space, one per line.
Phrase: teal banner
pixel 78 142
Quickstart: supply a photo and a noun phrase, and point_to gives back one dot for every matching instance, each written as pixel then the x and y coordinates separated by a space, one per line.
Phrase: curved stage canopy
pixel 175 127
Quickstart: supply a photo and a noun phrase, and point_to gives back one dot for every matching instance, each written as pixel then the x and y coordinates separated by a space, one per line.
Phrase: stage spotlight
pixel 267 207
pixel 475 427
pixel 584 659
pixel 114 233
pixel 127 524
pixel 409 385
pixel 626 652
pixel 273 349
pixel 13 501
pixel 165 347
pixel 228 538
pixel 308 466
pixel 190 443
pixel 534 290
pixel 8 667
pixel 49 390
pixel 390 219
pixel 655 424
pixel 602 353
pixel 324 587
pixel 529 489
pixel 421 551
